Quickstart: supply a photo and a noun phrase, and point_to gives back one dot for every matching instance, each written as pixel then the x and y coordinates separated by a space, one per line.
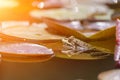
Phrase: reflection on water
pixel 56 69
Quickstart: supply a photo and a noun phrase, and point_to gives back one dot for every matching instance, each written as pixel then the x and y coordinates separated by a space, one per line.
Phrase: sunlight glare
pixel 8 3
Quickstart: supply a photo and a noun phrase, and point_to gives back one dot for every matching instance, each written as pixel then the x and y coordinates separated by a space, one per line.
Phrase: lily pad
pixel 58 46
pixel 64 30
pixel 31 33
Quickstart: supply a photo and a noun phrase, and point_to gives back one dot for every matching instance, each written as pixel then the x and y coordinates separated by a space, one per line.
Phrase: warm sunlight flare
pixel 8 3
